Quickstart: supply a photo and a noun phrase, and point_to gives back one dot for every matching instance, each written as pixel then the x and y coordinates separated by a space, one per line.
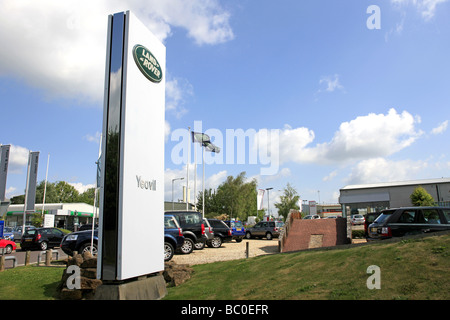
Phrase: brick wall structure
pixel 307 234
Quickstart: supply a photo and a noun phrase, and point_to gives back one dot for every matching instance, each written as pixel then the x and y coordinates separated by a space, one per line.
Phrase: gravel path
pixel 228 251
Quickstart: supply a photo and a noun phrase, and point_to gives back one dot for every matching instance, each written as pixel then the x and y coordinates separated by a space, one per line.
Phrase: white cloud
pixel 441 128
pixel 80 187
pixel 93 138
pixel 398 30
pixel 331 83
pixel 59 46
pixel 11 192
pixel 292 143
pixel 382 170
pixel 18 159
pixel 373 135
pixel 166 130
pixel 267 179
pixel 177 91
pixel 330 176
pixel 212 181
pixel 427 8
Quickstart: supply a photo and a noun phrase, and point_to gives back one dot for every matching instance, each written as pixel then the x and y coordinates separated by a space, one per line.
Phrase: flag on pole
pixel 200 138
pixel 212 148
pixel 205 141
pixel 260 198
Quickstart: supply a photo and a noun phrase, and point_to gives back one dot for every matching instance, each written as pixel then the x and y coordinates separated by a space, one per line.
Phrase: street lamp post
pixel 268 203
pixel 173 205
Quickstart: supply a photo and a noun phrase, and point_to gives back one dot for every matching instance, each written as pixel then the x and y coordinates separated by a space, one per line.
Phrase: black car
pixel 222 233
pixel 41 238
pixel 80 242
pixel 191 222
pixel 369 218
pixel 409 221
pixel 173 237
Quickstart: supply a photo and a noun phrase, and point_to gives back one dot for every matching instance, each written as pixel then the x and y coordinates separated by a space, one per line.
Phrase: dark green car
pixel 265 229
pixel 409 221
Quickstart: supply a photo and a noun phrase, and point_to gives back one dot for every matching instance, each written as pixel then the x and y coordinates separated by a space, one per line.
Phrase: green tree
pixel 235 197
pixel 88 196
pixel 421 198
pixel 58 192
pixel 288 201
pixel 212 207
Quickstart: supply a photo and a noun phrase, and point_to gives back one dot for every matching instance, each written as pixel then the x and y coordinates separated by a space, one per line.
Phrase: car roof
pixel 180 211
pixel 417 207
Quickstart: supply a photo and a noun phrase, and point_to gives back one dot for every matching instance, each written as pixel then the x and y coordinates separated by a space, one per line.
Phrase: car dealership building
pixel 374 197
pixel 66 215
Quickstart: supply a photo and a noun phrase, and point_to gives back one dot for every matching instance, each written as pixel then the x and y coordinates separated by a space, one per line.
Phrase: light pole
pixel 268 203
pixel 173 205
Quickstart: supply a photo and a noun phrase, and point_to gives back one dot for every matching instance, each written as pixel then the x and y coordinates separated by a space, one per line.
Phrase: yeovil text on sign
pixel 146 184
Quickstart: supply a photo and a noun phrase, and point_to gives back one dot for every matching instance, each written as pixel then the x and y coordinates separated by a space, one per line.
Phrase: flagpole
pixel 45 186
pixel 26 194
pixel 94 213
pixel 203 181
pixel 187 169
pixel 195 177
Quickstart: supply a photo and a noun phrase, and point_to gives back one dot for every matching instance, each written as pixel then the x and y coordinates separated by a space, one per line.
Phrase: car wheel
pixel 269 236
pixel 8 249
pixel 188 246
pixel 199 245
pixel 87 247
pixel 168 251
pixel 216 242
pixel 248 235
pixel 239 240
pixel 43 246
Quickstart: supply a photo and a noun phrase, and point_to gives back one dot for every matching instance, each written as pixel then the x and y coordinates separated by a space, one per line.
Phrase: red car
pixel 8 245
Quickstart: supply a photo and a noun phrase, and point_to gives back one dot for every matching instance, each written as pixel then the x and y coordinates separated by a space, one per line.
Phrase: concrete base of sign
pixel 151 288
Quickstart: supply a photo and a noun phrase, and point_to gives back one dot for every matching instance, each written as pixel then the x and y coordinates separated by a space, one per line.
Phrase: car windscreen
pixel 371 217
pixel 30 232
pixel 189 219
pixel 383 216
pixel 236 224
pixel 170 223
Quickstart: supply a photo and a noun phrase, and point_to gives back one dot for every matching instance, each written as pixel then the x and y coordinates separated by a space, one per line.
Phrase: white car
pixel 312 216
pixel 358 219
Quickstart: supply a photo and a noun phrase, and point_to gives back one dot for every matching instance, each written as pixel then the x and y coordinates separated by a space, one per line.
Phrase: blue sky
pixel 350 104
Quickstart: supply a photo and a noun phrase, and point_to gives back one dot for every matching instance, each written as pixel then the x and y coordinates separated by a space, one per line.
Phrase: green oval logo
pixel 147 63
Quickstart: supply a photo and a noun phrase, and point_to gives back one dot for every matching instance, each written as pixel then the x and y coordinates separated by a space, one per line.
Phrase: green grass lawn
pixel 410 269
pixel 30 283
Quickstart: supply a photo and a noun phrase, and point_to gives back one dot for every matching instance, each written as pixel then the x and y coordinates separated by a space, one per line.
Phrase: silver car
pixel 358 219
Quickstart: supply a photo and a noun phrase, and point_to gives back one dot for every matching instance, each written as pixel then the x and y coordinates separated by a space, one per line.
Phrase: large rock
pixel 176 274
pixel 88 278
pixel 173 274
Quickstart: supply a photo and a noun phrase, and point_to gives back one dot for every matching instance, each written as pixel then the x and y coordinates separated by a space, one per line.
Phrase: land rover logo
pixel 147 63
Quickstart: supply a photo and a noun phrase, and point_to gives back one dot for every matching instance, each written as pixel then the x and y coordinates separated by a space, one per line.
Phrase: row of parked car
pixel 186 231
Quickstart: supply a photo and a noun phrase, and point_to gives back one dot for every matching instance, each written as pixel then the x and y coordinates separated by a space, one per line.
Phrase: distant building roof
pixel 396 183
